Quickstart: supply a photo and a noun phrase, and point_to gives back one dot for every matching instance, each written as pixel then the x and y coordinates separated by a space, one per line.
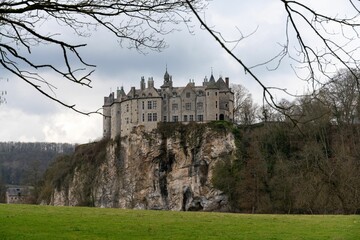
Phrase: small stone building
pixel 18 194
pixel 147 106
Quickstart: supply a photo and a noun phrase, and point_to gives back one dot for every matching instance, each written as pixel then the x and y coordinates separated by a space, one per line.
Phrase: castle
pixel 147 106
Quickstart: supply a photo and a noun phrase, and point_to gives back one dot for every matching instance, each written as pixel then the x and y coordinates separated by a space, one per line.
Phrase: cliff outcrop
pixel 168 169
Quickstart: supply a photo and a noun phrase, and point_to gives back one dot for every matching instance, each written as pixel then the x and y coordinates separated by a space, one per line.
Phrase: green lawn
pixel 46 222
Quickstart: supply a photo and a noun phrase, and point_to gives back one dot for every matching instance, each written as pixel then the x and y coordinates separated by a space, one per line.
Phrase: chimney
pixel 142 83
pixel 150 82
pixel 227 81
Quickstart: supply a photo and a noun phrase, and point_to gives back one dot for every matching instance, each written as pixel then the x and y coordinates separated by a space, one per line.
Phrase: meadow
pixel 48 222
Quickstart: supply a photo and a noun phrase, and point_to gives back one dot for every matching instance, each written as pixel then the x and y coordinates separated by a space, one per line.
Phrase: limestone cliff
pixel 169 169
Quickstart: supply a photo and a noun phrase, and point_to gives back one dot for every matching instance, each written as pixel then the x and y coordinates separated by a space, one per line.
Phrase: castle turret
pixel 205 82
pixel 107 115
pixel 212 100
pixel 120 94
pixel 167 80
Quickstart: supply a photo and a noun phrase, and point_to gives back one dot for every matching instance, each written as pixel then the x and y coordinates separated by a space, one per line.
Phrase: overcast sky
pixel 29 116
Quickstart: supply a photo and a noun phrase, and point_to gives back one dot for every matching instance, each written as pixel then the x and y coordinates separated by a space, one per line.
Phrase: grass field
pixel 46 222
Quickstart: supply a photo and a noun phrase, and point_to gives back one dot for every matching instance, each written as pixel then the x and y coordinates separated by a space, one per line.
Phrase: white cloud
pixel 17 125
pixel 71 127
pixel 64 126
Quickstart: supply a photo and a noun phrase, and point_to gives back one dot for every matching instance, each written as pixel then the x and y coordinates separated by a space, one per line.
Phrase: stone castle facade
pixel 147 106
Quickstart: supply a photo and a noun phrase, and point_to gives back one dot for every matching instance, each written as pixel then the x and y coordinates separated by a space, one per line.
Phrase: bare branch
pixel 140 23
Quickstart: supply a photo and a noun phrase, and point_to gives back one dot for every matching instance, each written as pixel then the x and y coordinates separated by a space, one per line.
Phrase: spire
pixel 212 79
pixel 166 75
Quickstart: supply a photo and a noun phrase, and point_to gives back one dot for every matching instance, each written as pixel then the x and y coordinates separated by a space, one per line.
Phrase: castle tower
pixel 107 115
pixel 225 100
pixel 212 100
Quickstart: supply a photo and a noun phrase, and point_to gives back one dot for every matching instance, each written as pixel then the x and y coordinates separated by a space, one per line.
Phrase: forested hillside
pixel 24 163
pixel 280 168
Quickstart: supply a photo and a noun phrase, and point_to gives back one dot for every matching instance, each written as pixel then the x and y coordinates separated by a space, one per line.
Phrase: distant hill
pixel 24 163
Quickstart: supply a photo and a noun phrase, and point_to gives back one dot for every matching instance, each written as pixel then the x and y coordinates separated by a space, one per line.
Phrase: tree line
pixel 337 102
pixel 307 161
pixel 24 163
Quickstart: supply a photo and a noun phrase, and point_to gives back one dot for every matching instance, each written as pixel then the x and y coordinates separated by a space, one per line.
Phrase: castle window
pixel 149 117
pixel 200 105
pixel 175 106
pixel 127 120
pixel 185 118
pixel 143 105
pixel 208 93
pixel 188 95
pixel 200 93
pixel 150 95
pixel 216 104
pixel 215 93
pixel 164 119
pixel 174 94
pixel 154 104
pixel 200 118
pixel 216 118
pixel 143 117
pixel 175 118
pixel 188 106
pixel 149 104
pixel 164 95
pixel 191 118
pixel 127 107
pixel 154 117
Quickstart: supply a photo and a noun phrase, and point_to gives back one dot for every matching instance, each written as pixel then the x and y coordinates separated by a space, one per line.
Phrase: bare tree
pixel 318 43
pixel 269 114
pixel 342 95
pixel 244 107
pixel 139 24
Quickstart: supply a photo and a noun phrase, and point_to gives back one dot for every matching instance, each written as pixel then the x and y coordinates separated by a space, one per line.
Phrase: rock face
pixel 154 171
